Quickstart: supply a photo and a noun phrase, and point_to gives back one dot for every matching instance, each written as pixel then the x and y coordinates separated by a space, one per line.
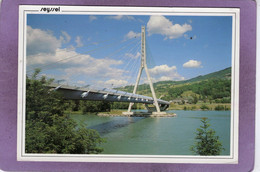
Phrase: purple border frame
pixel 8 91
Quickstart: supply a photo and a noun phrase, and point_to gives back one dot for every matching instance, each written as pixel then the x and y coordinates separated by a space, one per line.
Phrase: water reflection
pixel 117 123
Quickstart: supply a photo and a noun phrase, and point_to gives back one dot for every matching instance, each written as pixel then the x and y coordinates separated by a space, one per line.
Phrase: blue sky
pixel 105 50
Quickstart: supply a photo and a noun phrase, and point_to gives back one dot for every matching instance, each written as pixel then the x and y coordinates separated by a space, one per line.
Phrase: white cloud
pixel 162 69
pixel 65 38
pixel 192 64
pixel 96 72
pixel 40 41
pixel 161 25
pixel 132 34
pixel 91 18
pixel 115 83
pixel 165 78
pixel 69 64
pixel 43 51
pixel 133 56
pixel 97 68
pixel 44 59
pixel 121 17
pixel 164 72
pixel 78 42
pixel 186 36
pixel 44 42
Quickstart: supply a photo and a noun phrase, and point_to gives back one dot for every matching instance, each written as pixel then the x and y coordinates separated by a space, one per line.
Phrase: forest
pixel 217 90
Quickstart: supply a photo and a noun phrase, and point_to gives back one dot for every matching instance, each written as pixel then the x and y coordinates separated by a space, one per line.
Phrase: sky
pixel 105 51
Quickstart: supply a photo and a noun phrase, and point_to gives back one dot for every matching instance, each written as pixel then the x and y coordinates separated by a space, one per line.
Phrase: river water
pixel 157 136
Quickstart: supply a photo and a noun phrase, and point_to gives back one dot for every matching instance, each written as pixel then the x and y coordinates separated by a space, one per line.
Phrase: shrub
pixel 204 107
pixel 193 107
pixel 227 108
pixel 219 107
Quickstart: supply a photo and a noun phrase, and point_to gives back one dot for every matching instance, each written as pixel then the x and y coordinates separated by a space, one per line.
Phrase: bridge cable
pixel 135 68
pixel 120 50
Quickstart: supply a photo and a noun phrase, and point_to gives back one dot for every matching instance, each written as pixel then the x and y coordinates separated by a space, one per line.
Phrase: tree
pixel 204 107
pixel 48 129
pixel 207 143
pixel 95 106
pixel 76 105
pixel 195 99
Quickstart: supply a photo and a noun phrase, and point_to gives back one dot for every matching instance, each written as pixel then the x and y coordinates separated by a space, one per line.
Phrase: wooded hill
pixel 213 87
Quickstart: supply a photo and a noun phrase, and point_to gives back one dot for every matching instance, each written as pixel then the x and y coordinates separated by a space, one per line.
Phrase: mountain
pixel 222 74
pixel 165 85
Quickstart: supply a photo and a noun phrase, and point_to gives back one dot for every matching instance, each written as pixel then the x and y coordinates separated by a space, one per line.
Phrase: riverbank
pixel 186 107
pixel 201 106
pixel 119 112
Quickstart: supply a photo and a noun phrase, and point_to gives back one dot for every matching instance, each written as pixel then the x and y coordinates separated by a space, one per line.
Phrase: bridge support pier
pixel 158 114
pixel 128 113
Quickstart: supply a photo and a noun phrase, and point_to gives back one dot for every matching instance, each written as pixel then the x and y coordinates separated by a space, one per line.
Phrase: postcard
pixel 128 84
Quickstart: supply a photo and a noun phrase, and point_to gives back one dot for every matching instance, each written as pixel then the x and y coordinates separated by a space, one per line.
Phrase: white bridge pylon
pixel 144 66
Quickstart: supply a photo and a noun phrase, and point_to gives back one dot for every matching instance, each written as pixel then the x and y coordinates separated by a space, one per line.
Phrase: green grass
pixel 197 106
pixel 115 111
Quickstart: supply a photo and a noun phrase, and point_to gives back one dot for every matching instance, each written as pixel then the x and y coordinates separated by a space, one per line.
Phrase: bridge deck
pixel 80 93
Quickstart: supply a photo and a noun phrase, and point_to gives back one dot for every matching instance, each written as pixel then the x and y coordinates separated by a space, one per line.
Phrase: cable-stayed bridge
pixel 112 95
pixel 105 94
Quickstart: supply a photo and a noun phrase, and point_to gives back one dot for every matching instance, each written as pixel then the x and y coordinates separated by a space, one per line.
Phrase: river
pixel 157 136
